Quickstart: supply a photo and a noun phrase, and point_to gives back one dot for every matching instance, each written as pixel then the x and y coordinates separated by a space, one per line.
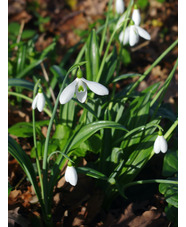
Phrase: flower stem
pixel 105 28
pixel 171 129
pixel 29 100
pixel 152 66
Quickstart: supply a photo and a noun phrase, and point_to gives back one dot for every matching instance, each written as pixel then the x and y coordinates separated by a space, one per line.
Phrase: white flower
pixel 39 101
pixel 79 86
pixel 132 34
pixel 160 144
pixel 71 175
pixel 136 16
pixel 120 6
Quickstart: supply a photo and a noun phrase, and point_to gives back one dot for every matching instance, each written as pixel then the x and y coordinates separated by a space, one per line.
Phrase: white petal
pixel 143 33
pixel 163 144
pixel 136 16
pixel 120 6
pixel 34 103
pixel 125 40
pixel 81 95
pixel 71 175
pixel 40 102
pixel 97 88
pixel 133 35
pixel 157 145
pixel 68 92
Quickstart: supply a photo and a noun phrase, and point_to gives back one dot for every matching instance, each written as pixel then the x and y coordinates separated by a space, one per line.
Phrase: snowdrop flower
pixel 132 34
pixel 120 6
pixel 136 15
pixel 160 144
pixel 79 86
pixel 71 175
pixel 39 101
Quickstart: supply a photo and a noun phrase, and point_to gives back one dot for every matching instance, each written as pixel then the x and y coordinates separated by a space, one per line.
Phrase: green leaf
pixel 88 130
pixel 170 192
pixel 29 68
pixel 170 163
pixel 126 76
pixel 16 151
pixel 23 129
pixel 52 146
pixel 15 82
pixel 92 144
pixel 125 56
pixel 28 33
pixel 92 173
pixel 13 28
pixel 9 188
pixel 142 4
pixel 47 50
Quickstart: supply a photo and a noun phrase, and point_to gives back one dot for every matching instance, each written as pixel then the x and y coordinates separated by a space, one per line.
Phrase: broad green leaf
pixel 28 33
pixel 92 144
pixel 62 134
pixel 52 146
pixel 13 28
pixel 170 192
pixel 170 163
pixel 23 129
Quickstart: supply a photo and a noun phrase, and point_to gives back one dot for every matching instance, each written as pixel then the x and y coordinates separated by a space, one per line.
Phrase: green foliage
pixel 170 192
pixel 119 130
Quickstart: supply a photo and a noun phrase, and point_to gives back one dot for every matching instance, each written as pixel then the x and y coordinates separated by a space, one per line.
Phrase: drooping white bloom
pixel 71 175
pixel 79 86
pixel 132 34
pixel 39 102
pixel 136 17
pixel 160 144
pixel 120 6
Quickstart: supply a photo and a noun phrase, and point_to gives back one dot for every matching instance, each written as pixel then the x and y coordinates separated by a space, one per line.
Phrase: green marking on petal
pixel 80 88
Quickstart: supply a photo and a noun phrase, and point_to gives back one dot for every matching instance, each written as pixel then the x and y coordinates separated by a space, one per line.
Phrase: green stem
pixel 29 100
pixel 163 89
pixel 37 156
pixel 105 28
pixel 150 182
pixel 171 129
pixel 45 163
pixel 104 57
pixel 152 66
pixel 35 141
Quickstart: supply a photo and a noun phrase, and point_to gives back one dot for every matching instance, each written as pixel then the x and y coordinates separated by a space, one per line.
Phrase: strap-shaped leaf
pixel 92 173
pixel 88 130
pixel 15 82
pixel 16 151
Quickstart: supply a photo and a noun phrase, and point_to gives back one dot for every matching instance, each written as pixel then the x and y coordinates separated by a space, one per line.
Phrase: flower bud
pixel 120 6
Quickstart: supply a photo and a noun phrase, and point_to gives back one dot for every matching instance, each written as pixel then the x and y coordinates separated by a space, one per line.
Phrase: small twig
pixel 47 80
pixel 140 46
pixel 22 179
pixel 20 33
